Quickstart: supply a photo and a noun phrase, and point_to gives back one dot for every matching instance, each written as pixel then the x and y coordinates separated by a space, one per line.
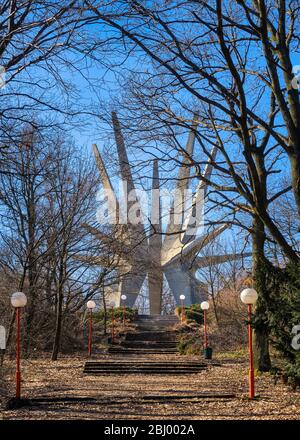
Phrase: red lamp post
pixel 249 297
pixel 182 314
pixel 123 298
pixel 251 369
pixel 205 306
pixel 112 305
pixel 90 305
pixel 18 300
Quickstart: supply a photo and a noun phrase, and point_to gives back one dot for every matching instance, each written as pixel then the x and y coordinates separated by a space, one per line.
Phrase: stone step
pixel 169 372
pixel 143 348
pixel 145 344
pixel 141 367
pixel 158 317
pixel 151 336
pixel 157 321
pixel 152 328
pixel 121 363
pixel 153 323
pixel 141 352
pixel 148 344
pixel 129 354
pixel 134 367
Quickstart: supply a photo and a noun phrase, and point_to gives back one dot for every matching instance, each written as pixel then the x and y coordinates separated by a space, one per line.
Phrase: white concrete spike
pixel 102 261
pixel 136 232
pixel 155 239
pixel 211 260
pixel 209 167
pixel 177 209
pixel 114 243
pixel 197 244
pixel 97 233
pixel 155 199
pixel 184 172
pixel 204 240
pixel 102 170
pixel 192 220
pixel 122 154
pixel 112 201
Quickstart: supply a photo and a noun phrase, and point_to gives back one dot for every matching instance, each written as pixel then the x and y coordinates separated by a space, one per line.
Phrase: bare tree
pixel 223 60
pixel 43 204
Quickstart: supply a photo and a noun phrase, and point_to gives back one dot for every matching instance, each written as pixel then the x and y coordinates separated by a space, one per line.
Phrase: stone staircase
pixel 153 335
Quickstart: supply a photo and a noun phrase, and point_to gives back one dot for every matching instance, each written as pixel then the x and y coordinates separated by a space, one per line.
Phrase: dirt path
pixel 79 396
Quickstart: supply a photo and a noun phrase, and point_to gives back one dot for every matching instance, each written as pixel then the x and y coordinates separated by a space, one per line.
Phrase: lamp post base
pixel 207 353
pixel 18 385
pixel 251 384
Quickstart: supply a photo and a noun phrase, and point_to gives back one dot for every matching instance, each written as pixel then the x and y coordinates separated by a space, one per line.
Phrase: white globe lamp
pixel 249 296
pixel 18 299
pixel 91 304
pixel 204 305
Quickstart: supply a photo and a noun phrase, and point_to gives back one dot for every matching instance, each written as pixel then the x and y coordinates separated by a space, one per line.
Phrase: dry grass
pixel 123 397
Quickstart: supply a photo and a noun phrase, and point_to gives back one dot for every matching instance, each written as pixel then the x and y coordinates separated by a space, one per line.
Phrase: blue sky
pixel 98 89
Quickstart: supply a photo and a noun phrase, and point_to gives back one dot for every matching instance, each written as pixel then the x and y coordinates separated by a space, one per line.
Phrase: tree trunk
pixel 32 269
pixel 295 174
pixel 105 314
pixel 261 355
pixel 58 327
pixel 60 299
pixel 213 297
pixel 31 305
pixel 262 361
